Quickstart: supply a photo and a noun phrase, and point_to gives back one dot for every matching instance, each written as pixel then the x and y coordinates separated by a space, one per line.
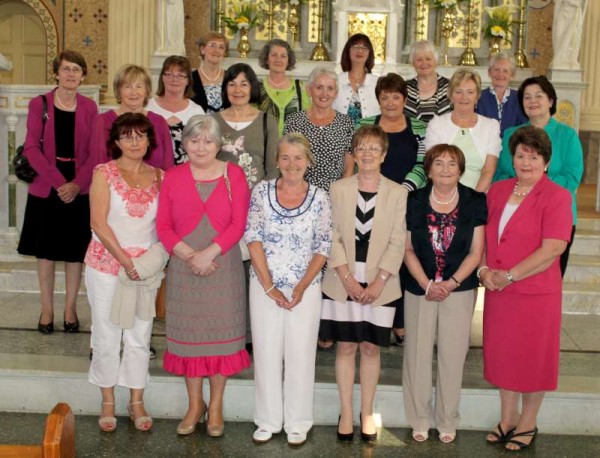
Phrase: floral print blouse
pixel 290 237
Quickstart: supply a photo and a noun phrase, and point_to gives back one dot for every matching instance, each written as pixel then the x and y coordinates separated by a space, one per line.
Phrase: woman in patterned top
pixel 357 83
pixel 361 282
pixel 289 236
pixel 444 244
pixel 172 100
pixel 280 95
pixel 328 131
pixel 428 91
pixel 123 203
pixel 207 78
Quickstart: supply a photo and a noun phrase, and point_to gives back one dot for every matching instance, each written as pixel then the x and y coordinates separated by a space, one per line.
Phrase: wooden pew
pixel 58 442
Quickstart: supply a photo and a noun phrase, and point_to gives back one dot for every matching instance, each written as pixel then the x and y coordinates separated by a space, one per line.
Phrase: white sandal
pixel 420 436
pixel 447 438
pixel 107 424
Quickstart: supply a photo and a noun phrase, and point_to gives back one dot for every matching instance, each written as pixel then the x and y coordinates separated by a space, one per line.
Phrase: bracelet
pixel 384 278
pixel 510 277
pixel 346 276
pixel 428 286
pixel 479 271
pixel 270 289
pixel 455 281
pixel 129 272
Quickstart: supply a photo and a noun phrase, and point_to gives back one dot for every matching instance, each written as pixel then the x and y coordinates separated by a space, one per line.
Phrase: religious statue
pixel 567 28
pixel 170 27
pixel 5 64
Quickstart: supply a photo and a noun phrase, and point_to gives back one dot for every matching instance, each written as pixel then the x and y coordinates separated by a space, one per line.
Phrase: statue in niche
pixel 170 27
pixel 567 28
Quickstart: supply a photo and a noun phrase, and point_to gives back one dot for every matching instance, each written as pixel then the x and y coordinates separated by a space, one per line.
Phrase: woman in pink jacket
pixel 201 217
pixel 57 216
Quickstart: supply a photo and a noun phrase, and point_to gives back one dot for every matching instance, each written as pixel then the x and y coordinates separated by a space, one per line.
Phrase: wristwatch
pixel 510 277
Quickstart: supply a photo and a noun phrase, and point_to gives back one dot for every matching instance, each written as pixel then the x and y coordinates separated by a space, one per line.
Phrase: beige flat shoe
pixel 142 423
pixel 107 424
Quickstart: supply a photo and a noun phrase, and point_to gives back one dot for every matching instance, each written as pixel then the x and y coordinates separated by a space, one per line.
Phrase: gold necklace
pixel 208 78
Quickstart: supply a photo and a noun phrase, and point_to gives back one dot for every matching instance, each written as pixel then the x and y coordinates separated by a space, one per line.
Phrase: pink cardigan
pixel 180 208
pixel 162 157
pixel 44 162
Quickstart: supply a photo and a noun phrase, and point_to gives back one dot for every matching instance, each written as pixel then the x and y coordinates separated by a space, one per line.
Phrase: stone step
pixel 587 241
pixel 34 383
pixel 589 223
pixel 583 269
pixel 581 298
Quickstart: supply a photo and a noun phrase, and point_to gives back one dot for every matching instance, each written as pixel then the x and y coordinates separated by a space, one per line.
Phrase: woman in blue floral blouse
pixel 289 237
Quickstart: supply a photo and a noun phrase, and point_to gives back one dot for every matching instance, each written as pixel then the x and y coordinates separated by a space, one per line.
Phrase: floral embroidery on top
pixel 442 227
pixel 137 200
pixel 99 258
pixel 244 160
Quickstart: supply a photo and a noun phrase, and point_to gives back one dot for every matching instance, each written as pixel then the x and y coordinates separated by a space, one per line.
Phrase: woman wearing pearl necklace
pixel 445 225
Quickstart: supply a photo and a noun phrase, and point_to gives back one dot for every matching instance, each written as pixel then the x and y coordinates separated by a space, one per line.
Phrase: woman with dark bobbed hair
pixel 57 216
pixel 124 202
pixel 250 135
pixel 528 228
pixel 207 78
pixel 538 99
pixel 357 83
pixel 172 100
pixel 280 95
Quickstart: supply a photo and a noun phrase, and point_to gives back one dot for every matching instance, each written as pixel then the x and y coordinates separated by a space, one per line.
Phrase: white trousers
pixel 107 368
pixel 450 322
pixel 284 344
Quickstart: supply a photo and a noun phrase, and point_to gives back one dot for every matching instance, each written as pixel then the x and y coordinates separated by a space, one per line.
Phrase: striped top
pixel 424 110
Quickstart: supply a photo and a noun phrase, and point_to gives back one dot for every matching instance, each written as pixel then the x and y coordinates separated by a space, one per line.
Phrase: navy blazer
pixel 472 212
pixel 511 111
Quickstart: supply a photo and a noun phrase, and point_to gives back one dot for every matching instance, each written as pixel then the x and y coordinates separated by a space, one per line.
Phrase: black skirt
pixel 54 230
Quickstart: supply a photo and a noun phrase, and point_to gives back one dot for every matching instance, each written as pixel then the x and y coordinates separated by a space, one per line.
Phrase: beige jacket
pixel 387 242
pixel 137 298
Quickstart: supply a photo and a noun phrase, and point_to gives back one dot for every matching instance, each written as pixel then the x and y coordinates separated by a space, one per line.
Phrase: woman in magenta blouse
pixel 201 217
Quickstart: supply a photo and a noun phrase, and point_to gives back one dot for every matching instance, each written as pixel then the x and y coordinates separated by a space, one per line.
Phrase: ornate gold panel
pixel 565 112
pixel 374 25
pixel 458 38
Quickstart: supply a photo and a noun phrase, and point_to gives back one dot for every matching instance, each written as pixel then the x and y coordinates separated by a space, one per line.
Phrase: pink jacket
pixel 162 157
pixel 44 162
pixel 180 208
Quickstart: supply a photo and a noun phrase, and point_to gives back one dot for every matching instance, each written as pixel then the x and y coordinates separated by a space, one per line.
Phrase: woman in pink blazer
pixel 57 216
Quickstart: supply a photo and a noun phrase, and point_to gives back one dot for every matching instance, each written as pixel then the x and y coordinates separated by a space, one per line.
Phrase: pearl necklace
pixel 439 202
pixel 278 85
pixel 210 80
pixel 520 194
pixel 60 102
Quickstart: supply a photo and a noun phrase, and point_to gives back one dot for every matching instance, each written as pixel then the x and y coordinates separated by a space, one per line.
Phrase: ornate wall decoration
pixel 458 38
pixel 51 35
pixel 565 112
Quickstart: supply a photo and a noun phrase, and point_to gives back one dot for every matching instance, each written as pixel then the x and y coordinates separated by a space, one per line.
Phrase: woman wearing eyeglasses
pixel 207 78
pixel 173 102
pixel 57 216
pixel 356 96
pixel 132 87
pixel 361 282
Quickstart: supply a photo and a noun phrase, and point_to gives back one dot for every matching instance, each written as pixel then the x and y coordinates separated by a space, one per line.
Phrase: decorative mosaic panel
pixel 374 26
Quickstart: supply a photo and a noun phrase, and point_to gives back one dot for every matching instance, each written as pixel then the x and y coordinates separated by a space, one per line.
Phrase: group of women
pixel 394 213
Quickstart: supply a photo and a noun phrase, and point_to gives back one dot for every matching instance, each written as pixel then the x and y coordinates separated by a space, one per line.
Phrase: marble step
pixel 34 383
pixel 589 223
pixel 583 269
pixel 581 298
pixel 587 242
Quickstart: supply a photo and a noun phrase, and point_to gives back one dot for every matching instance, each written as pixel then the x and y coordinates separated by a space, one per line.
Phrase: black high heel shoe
pixel 45 328
pixel 364 436
pixel 71 328
pixel 344 437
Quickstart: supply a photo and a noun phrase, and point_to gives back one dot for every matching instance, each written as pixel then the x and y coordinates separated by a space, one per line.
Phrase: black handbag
pixel 23 169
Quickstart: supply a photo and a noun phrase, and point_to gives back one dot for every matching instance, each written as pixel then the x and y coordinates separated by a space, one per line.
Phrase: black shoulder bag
pixel 23 169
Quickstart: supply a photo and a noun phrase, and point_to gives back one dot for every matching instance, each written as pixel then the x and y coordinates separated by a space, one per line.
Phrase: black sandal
pixel 501 436
pixel 521 445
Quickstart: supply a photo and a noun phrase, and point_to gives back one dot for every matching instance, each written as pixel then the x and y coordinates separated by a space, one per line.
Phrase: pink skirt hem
pixel 206 366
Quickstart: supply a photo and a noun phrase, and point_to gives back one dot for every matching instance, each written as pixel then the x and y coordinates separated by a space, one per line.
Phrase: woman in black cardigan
pixel 445 223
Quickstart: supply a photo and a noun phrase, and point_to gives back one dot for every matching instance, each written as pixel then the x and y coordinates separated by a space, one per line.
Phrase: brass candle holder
pixel 294 23
pixel 320 52
pixel 468 58
pixel 520 55
pixel 420 17
pixel 220 12
pixel 447 29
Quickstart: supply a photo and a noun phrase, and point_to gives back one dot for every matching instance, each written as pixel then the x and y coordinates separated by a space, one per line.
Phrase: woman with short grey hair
pixel 428 91
pixel 328 131
pixel 201 218
pixel 500 101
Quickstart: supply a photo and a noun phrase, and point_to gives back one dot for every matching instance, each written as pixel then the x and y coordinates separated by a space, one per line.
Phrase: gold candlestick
pixel 220 12
pixel 294 23
pixel 447 29
pixel 420 17
pixel 270 21
pixel 520 55
pixel 468 58
pixel 320 53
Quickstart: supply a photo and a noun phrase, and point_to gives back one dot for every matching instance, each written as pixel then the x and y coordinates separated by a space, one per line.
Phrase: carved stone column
pixel 131 30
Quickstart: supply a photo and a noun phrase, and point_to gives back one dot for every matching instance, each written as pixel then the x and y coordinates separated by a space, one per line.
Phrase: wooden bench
pixel 58 442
